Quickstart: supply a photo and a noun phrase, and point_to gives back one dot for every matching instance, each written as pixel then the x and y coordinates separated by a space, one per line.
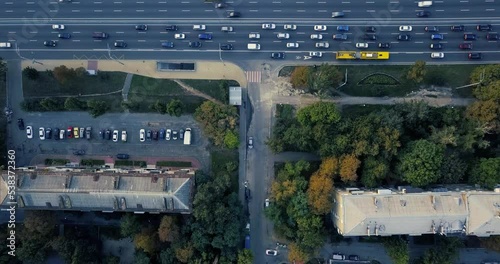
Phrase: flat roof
pixel 235 95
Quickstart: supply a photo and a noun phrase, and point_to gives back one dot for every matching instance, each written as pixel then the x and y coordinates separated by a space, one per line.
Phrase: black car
pixel 56 133
pixel 120 44
pixel 148 135
pixel 431 29
pixel 404 37
pixel 50 43
pixel 484 27
pixel 194 44
pixel 423 14
pixel 122 156
pixel 436 46
pixel 492 36
pixel 48 133
pixel 232 14
pixel 384 45
pixel 141 27
pixel 226 46
pixel 88 132
pixel 475 56
pixel 278 55
pixel 370 37
pixel 79 152
pixel 457 28
pixel 465 46
pixel 102 134
pixel 470 36
pixel 353 257
pixel 171 28
pixel 370 29
pixel 155 135
pixel 108 134
pixel 20 123
pixel 64 36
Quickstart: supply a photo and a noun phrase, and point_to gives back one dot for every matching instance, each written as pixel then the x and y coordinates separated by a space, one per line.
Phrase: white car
pixel 169 132
pixel 254 36
pixel 316 36
pixel 268 26
pixel 58 27
pixel 41 133
pixel 180 36
pixel 283 36
pixel 115 135
pixel 124 136
pixel 267 202
pixel 405 28
pixel 437 55
pixel 271 252
pixel 362 45
pixel 292 45
pixel 322 45
pixel 142 135
pixel 316 54
pixel 289 27
pixel 320 28
pixel 29 132
pixel 62 133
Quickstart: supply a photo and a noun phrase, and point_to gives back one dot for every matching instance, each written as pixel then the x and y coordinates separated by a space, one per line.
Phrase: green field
pixel 217 89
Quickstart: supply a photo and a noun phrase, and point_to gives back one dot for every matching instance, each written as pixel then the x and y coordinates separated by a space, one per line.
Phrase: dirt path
pixel 196 92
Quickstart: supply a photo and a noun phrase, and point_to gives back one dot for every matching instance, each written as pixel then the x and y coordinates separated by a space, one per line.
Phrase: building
pixel 235 95
pixel 106 190
pixel 388 212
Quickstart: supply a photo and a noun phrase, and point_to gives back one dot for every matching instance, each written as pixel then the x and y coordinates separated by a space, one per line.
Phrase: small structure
pixel 235 95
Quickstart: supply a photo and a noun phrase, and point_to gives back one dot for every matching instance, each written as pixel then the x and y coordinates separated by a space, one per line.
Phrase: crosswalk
pixel 254 76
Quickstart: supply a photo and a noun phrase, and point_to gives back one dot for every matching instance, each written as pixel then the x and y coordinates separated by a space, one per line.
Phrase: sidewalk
pixel 205 70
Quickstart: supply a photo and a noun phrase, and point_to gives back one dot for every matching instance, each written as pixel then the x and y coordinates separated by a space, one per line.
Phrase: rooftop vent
pixel 403 203
pixel 154 179
pixel 95 178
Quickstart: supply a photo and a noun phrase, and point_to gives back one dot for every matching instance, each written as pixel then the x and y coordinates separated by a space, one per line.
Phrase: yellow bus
pixel 362 55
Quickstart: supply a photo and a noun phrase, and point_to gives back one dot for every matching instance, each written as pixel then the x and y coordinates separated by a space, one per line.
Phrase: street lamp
pixel 220 55
pixel 111 56
pixel 18 52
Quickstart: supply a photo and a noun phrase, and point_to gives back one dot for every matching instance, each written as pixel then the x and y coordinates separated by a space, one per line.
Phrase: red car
pixel 69 132
pixel 465 46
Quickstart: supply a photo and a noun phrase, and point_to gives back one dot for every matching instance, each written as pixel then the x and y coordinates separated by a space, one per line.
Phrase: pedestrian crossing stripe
pixel 254 76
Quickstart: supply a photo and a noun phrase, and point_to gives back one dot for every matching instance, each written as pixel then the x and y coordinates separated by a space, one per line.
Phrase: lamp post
pixel 111 56
pixel 220 55
pixel 18 52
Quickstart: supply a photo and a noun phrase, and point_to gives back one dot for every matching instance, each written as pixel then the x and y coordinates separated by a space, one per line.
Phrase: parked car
pixel 181 134
pixel 115 135
pixel 124 136
pixel 82 132
pixel 161 134
pixel 29 132
pixel 57 132
pixel 108 134
pixel 76 132
pixel 169 132
pixel 48 133
pixel 120 44
pixel 20 123
pixel 316 54
pixel 155 135
pixel 384 45
pixel 102 134
pixel 142 135
pixel 69 132
pixel 174 134
pixel 271 252
pixel 62 133
pixel 250 142
pixel 88 132
pixel 122 156
pixel 41 133
pixel 277 55
pixel 50 43
pixel 58 27
pixel 149 134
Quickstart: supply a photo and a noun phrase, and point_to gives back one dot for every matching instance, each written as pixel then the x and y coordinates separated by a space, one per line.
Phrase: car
pixel 353 257
pixel 57 132
pixel 167 45
pixel 226 29
pixel 404 37
pixel 181 134
pixel 180 36
pixel 492 36
pixel 320 28
pixel 194 44
pixel 171 28
pixel 29 132
pixel 436 46
pixel 50 43
pixel 88 132
pixel 431 29
pixel 405 28
pixel 76 132
pixel 457 28
pixel 233 14
pixel 370 37
pixel 64 36
pixel 465 46
pixel 423 14
pixel 48 133
pixel 268 26
pixel 219 5
pixel 115 135
pixel 167 135
pixel 484 27
pixel 142 135
pixel 470 36
pixel 226 46
pixel 174 134
pixel 58 27
pixel 205 36
pixel 437 55
pixel 271 252
pixel 69 132
pixel 437 36
pixel 41 133
pixel 316 54
pixel 384 45
pixel 161 133
pixel 322 45
pixel 266 202
pixel 339 36
pixel 120 44
pixel 199 27
pixel 79 152
pixel 61 134
pixel 337 14
pixel 283 36
pixel 316 36
pixel 475 56
pixel 278 55
pixel 108 134
pixel 343 28
pixel 122 156
pixel 154 134
pixel 250 142
pixel 149 135
pixel 102 134
pixel 292 45
pixel 290 27
pixel 254 36
pixel 20 123
pixel 371 29
pixel 82 132
pixel 124 136
pixel 362 45
pixel 141 27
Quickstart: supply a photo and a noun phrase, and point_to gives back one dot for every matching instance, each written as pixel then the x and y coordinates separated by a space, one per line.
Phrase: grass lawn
pixel 214 88
pixel 220 158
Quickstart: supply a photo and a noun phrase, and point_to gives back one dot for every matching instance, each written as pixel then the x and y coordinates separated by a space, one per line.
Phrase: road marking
pixel 209 10
pixel 76 32
pixel 162 10
pixel 162 2
pixel 75 11
pixel 253 10
pixel 394 3
pixel 464 10
pixel 253 76
pixel 253 2
pixel 369 2
pixel 440 10
pixel 140 2
pixel 97 2
pixel 139 10
pixel 419 42
pixel 301 33
pixel 30 3
pixel 185 2
pixel 413 52
pixel 490 9
pixel 29 11
pixel 141 40
pixel 232 41
pixel 490 1
pixel 347 2
pixel 321 2
pixel 276 2
pixel 98 10
pixel 8 3
pixel 464 1
pixel 301 10
pixel 299 2
pixel 33 40
pixel 76 40
pixel 277 10
pixel 370 11
pixel 186 10
pixel 321 11
pixel 116 10
pixel 395 11
pixel 117 2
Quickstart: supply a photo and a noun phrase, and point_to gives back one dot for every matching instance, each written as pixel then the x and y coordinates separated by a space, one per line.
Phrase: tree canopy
pixel 421 162
pixel 217 122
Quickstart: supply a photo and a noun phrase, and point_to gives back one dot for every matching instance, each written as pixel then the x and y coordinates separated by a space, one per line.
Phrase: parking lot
pixel 27 149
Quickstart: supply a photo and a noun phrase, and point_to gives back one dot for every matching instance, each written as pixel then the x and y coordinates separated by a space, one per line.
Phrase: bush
pixel 31 73
pixel 91 162
pixel 378 79
pixel 97 108
pixel 56 162
pixel 179 164
pixel 130 163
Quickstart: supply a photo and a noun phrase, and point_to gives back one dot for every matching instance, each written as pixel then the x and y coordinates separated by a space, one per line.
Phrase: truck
pixel 425 4
pixel 187 136
pixel 362 55
pixel 247 242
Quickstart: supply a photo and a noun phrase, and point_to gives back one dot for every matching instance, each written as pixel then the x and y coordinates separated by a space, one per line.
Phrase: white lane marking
pixel 299 2
pixel 162 10
pixel 139 10
pixel 75 11
pixel 209 10
pixel 253 10
pixel 8 3
pixel 141 40
pixel 369 2
pixel 33 40
pixel 321 11
pixel 162 2
pixel 140 2
pixel 29 11
pixel 232 41
pixel 440 10
pixel 186 10
pixel 120 32
pixel 490 9
pixel 321 2
pixel 301 33
pixel 301 10
pixel 76 40
pixel 438 2
pixel 347 11
pixel 276 2
pixel 117 2
pixel 395 11
pixel 346 2
pixel 76 32
pixel 464 10
pixel 464 1
pixel 30 3
pixel 98 10
pixel 185 2
pixel 490 1
pixel 252 2
pixel 116 10
pixel 277 10
pixel 97 2
pixel 370 11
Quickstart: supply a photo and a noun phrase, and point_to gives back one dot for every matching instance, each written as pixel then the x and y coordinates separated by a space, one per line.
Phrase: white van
pixel 5 45
pixel 253 46
pixel 199 27
pixel 424 3
pixel 187 136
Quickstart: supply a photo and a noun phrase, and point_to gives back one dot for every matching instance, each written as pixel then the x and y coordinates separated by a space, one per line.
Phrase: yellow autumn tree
pixel 147 240
pixel 329 167
pixel 296 255
pixel 183 254
pixel 319 194
pixel 349 164
pixel 300 77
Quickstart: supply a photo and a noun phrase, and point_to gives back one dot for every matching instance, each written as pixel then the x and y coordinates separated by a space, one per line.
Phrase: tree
pixel 31 73
pixel 111 260
pixel 485 172
pixel 485 74
pixel 183 254
pixel 216 120
pixel 421 162
pixel 129 225
pixel 325 77
pixel 374 171
pixel 487 113
pixel 73 104
pixel 329 167
pixel 169 229
pixel 417 72
pixel 491 243
pixel 167 256
pixel 320 193
pixel 444 136
pixel 97 108
pixel 453 168
pixel 300 77
pixel 231 140
pixel 349 164
pixel 50 104
pixel 141 258
pixel 146 240
pixel 175 107
pixel 245 256
pixel 63 74
pixel 297 255
pixel 318 113
pixel 397 249
pixel 159 107
pixel 488 92
pixel 446 251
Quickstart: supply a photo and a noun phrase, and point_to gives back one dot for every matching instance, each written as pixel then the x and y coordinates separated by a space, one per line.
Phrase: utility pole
pixel 220 55
pixel 111 56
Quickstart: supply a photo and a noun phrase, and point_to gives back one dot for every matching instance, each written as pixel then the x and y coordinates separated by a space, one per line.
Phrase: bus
pixel 362 55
